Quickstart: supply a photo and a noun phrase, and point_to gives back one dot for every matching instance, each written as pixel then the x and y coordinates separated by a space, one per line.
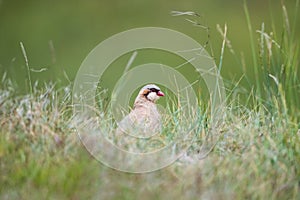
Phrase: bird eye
pixel 153 90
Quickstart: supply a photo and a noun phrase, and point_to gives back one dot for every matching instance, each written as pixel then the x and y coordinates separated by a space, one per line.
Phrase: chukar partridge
pixel 144 120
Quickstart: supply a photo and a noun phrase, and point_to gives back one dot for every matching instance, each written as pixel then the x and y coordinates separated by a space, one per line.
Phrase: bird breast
pixel 143 121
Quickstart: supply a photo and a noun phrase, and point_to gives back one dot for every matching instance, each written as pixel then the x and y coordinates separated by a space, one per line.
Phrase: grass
pixel 257 155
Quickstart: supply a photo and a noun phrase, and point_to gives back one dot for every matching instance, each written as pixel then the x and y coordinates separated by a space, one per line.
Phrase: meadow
pixel 256 154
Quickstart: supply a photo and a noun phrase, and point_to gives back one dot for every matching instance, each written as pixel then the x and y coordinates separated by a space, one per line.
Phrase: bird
pixel 144 120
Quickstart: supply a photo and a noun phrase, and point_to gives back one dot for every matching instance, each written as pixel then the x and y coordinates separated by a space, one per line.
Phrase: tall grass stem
pixel 252 43
pixel 27 67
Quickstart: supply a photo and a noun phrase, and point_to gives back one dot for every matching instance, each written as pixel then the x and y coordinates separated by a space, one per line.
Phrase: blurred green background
pixel 58 35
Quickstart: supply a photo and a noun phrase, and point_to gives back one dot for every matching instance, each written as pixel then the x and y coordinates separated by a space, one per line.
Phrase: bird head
pixel 150 92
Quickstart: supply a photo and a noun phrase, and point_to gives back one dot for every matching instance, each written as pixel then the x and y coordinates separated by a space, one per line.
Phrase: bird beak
pixel 160 93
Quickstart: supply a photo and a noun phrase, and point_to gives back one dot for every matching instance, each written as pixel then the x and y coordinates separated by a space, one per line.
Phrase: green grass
pixel 257 154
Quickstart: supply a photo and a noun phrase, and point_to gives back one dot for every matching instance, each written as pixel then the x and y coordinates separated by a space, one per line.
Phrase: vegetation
pixel 257 155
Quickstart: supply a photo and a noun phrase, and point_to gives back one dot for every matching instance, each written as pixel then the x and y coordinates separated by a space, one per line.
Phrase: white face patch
pixel 152 96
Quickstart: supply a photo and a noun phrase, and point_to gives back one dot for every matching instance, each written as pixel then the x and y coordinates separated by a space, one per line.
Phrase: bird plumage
pixel 144 120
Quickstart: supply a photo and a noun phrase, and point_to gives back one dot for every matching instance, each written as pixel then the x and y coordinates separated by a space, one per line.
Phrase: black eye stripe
pixel 153 90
